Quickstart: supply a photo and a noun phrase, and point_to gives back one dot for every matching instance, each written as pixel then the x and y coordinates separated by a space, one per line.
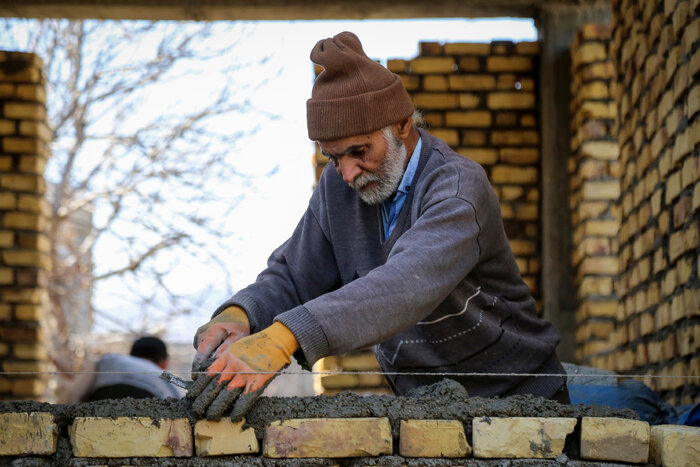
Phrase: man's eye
pixel 357 153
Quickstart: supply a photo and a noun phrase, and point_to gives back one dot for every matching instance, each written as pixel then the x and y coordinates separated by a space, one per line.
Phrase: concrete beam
pixel 206 10
pixel 556 29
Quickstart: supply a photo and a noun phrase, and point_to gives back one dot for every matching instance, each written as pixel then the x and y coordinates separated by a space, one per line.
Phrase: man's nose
pixel 349 169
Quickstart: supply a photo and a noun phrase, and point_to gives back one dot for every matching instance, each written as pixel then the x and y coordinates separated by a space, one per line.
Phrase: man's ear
pixel 404 128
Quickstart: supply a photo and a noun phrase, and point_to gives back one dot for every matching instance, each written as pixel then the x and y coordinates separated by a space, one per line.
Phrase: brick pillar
pixel 656 46
pixel 595 190
pixel 24 245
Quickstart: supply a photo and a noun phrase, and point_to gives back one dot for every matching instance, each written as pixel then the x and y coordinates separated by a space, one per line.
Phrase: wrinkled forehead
pixel 344 145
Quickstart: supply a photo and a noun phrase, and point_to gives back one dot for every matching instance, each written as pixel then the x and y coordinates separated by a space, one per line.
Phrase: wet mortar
pixel 446 400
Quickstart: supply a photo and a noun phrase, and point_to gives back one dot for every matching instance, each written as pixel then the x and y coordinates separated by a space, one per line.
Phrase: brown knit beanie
pixel 353 95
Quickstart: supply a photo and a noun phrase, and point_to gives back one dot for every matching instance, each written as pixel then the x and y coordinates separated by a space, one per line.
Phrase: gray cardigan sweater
pixel 442 294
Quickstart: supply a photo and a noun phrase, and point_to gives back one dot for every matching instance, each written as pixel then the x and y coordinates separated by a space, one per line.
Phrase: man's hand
pixel 247 365
pixel 223 330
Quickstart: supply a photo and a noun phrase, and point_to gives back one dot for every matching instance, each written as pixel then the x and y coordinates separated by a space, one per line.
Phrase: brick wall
pixel 66 435
pixel 24 245
pixel 481 99
pixel 656 48
pixel 595 189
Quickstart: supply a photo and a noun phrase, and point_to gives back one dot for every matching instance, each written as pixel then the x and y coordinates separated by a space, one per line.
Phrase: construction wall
pixel 24 245
pixel 656 48
pixel 352 431
pixel 594 182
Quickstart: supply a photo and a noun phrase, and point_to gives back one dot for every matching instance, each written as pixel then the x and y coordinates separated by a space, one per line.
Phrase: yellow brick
pixel 508 193
pixel 600 150
pixel 436 100
pixel 467 48
pixel 468 101
pixel 24 221
pixel 6 163
pixel 224 438
pixel 510 100
pixel 520 156
pixel 472 82
pixel 21 145
pixel 594 90
pixel 596 286
pixel 608 228
pixel 31 92
pixel 515 137
pixel 364 361
pixel 29 351
pixel 522 247
pixel 510 175
pixel 476 118
pixel 339 381
pixel 483 156
pixel 30 313
pixel 435 83
pixel 21 111
pixel 29 387
pixel 590 52
pixel 23 258
pixel 520 437
pixel 34 433
pixel 614 439
pixel 8 201
pixel 526 211
pixel 33 183
pixel 606 190
pixel 131 437
pixel 450 137
pixel 674 446
pixel 7 127
pixel 509 63
pixel 432 65
pixel 600 265
pixel 397 65
pixel 433 438
pixel 328 437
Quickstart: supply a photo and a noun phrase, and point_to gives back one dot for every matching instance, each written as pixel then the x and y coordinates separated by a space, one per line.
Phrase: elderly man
pixel 402 248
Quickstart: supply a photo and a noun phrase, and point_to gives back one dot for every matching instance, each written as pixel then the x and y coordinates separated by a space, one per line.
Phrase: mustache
pixel 364 179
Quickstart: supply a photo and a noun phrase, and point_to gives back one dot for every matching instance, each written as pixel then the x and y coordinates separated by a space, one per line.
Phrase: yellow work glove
pixel 224 329
pixel 248 366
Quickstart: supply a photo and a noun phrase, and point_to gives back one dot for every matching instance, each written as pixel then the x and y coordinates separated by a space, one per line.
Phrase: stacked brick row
pixel 656 47
pixel 595 190
pixel 480 99
pixel 24 245
pixel 368 439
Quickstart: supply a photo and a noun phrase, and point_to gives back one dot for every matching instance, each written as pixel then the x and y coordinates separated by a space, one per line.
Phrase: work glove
pixel 248 366
pixel 223 330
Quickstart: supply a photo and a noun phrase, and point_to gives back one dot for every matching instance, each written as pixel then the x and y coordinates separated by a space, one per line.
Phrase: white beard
pixel 387 176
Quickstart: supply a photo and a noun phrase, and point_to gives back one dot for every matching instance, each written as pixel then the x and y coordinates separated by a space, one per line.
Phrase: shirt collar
pixel 410 171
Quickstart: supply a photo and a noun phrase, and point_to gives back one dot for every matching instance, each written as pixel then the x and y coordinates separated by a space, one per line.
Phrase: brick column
pixel 595 190
pixel 24 245
pixel 656 46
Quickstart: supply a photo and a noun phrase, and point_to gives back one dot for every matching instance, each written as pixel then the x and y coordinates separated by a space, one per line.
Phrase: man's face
pixel 371 164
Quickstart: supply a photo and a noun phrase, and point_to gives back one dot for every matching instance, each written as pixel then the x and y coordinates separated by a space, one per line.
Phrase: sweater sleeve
pixel 424 266
pixel 302 268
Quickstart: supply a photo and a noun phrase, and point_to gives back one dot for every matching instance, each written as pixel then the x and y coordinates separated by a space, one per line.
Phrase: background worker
pixel 116 376
pixel 402 248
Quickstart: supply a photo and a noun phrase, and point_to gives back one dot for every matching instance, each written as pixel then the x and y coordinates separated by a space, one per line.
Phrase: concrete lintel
pixel 557 28
pixel 206 10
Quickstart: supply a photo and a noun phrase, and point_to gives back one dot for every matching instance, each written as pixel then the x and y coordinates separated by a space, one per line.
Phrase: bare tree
pixel 136 171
